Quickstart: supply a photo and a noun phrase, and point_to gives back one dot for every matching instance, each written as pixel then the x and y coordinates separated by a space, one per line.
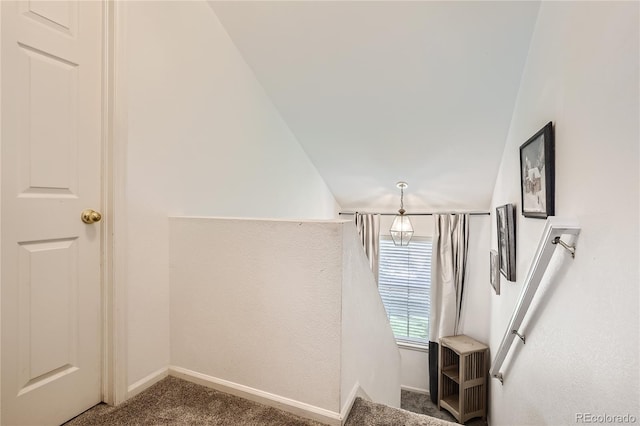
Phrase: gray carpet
pixel 421 403
pixel 173 401
pixel 365 413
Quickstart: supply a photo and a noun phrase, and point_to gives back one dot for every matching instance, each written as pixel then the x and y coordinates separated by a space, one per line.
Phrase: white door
pixel 51 106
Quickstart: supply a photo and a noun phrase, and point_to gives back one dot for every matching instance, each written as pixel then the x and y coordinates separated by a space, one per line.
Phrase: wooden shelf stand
pixel 462 384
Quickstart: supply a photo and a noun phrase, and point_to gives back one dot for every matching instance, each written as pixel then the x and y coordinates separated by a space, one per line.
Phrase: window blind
pixel 404 283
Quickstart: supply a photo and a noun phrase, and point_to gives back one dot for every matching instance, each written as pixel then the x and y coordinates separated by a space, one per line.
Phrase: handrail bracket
pixel 521 336
pixel 571 249
pixel 499 377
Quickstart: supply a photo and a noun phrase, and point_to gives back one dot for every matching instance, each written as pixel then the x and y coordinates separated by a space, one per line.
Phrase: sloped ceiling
pixel 378 92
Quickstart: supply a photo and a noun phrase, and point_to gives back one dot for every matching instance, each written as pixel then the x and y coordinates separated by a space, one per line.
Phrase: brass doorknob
pixel 90 216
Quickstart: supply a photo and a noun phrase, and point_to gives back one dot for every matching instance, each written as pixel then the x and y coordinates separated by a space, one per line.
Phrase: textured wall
pixel 581 354
pixel 284 307
pixel 258 303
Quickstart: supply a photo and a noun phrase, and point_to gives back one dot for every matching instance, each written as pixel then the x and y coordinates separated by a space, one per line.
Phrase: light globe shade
pixel 401 230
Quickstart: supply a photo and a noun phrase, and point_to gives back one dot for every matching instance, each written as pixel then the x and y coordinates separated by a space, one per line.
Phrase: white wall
pixel 286 308
pixel 581 354
pixel 202 139
pixel 257 303
pixel 476 300
pixel 370 356
pixel 414 370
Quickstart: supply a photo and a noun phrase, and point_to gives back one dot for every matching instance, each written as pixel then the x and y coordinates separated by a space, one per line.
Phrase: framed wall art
pixel 537 174
pixel 505 218
pixel 494 271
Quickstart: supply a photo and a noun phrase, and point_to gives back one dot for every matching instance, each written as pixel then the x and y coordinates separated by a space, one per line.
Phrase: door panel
pixel 49 137
pixel 51 105
pixel 59 15
pixel 48 280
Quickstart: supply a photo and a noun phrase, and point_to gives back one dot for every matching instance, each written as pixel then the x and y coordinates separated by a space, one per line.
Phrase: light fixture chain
pixel 401 228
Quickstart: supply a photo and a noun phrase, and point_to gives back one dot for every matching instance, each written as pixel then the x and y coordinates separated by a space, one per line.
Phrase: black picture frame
pixel 505 218
pixel 537 174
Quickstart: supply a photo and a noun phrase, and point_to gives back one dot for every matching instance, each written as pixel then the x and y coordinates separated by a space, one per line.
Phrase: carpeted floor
pixel 173 401
pixel 421 403
pixel 365 413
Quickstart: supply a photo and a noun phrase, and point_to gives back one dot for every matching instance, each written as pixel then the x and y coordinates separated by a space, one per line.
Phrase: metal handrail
pixel 553 230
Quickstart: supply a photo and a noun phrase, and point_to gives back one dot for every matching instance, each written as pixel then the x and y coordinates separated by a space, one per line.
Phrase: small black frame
pixel 537 174
pixel 505 218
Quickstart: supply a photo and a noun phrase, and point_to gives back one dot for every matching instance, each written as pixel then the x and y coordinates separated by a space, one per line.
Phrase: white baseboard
pixel 356 392
pixel 292 406
pixel 412 389
pixel 147 382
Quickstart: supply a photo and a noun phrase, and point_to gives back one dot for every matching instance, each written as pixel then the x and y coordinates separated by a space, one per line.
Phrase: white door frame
pixel 114 138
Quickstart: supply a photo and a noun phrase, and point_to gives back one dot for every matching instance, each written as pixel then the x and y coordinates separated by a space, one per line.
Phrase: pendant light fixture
pixel 401 228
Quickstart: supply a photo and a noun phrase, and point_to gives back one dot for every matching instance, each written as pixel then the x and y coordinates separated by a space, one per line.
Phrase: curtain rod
pixel 419 214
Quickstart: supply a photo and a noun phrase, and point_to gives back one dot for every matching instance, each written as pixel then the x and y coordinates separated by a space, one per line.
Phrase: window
pixel 404 282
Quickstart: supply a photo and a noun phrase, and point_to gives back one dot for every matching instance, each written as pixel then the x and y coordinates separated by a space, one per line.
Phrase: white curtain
pixel 448 268
pixel 368 226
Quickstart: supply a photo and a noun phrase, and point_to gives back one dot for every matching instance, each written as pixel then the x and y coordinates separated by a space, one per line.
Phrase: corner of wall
pixel 369 355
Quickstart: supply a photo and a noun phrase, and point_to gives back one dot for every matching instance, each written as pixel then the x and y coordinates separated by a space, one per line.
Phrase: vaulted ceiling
pixel 382 91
